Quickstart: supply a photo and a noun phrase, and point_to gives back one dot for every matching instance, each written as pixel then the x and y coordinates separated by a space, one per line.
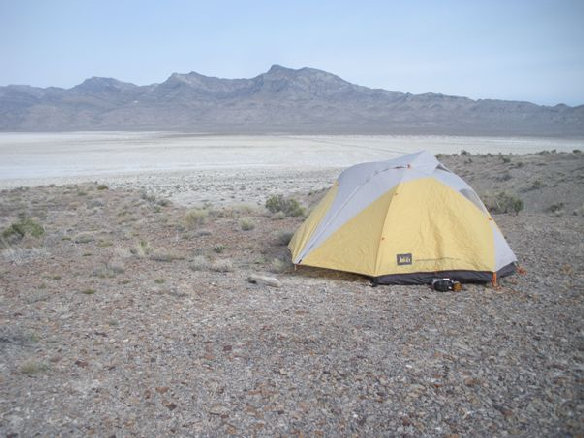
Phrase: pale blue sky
pixel 510 49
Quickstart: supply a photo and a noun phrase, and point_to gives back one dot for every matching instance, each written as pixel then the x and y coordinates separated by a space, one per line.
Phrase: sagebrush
pixel 504 202
pixel 288 206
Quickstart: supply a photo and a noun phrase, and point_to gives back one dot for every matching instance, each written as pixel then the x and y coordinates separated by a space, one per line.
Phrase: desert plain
pixel 126 307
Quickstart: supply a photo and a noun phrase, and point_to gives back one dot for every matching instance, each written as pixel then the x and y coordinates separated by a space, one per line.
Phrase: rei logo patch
pixel 404 259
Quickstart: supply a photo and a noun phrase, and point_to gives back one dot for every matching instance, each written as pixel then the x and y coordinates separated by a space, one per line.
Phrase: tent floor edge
pixel 461 275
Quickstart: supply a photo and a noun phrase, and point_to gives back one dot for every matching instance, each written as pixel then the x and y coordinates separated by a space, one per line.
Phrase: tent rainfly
pixel 406 220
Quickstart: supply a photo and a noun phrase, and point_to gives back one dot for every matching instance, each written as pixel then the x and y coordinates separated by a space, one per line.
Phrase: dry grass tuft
pixel 196 217
pixel 166 255
pixel 83 238
pixel 141 249
pixel 32 367
pixel 222 265
pixel 199 263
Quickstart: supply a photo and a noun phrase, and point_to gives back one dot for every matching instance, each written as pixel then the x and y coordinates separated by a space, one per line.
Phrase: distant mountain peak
pixel 99 84
pixel 181 78
pixel 277 68
pixel 280 70
pixel 187 76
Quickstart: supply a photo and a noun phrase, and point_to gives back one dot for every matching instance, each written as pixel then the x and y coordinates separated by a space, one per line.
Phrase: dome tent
pixel 406 220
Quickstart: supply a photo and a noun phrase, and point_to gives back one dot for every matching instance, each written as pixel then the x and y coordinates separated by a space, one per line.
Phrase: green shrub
pixel 25 226
pixel 246 224
pixel 504 202
pixel 283 238
pixel 288 206
pixel 279 266
pixel 555 208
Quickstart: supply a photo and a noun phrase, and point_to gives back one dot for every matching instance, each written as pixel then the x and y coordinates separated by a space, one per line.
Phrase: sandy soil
pixel 131 315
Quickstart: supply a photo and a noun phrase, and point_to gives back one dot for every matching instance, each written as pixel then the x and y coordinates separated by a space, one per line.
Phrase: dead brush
pixel 109 269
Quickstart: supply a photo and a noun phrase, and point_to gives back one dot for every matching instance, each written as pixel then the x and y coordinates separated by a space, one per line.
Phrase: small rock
pixel 268 281
pixel 470 381
pixel 81 363
pixel 161 389
pixel 504 410
pixel 219 410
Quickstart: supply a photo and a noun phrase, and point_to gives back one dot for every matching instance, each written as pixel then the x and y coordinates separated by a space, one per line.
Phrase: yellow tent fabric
pixel 406 220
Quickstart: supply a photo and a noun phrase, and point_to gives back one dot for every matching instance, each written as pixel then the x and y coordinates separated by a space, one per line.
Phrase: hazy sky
pixel 510 49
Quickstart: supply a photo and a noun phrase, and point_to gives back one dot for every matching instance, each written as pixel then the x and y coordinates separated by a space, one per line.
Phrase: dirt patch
pixel 131 315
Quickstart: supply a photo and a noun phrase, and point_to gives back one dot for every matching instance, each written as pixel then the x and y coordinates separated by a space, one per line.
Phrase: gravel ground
pixel 131 316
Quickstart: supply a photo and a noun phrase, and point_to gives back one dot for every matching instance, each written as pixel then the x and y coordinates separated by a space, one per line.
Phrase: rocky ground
pixel 123 313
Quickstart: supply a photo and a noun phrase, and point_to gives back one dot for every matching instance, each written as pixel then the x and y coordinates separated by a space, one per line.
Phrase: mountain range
pixel 282 100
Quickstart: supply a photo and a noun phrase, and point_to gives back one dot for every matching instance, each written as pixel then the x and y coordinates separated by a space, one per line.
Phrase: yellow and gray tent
pixel 407 220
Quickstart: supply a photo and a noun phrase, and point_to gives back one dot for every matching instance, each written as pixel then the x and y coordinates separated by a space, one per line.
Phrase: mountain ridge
pixel 305 100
